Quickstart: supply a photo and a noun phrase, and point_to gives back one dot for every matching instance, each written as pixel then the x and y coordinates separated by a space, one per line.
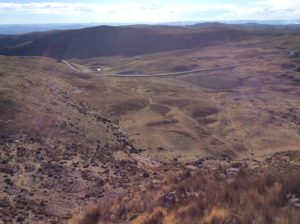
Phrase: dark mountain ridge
pixel 110 41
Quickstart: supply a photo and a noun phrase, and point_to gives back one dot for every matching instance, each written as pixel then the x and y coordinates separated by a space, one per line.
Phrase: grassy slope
pixel 58 155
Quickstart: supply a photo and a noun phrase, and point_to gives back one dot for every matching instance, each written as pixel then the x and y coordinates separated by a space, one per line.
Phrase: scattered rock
pixel 170 198
pixel 7 170
pixel 232 171
pixel 294 199
pixel 20 219
pixel 4 202
pixel 146 174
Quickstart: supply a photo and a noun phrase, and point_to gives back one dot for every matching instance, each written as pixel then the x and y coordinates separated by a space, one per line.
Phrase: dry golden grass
pixel 204 197
pixel 237 113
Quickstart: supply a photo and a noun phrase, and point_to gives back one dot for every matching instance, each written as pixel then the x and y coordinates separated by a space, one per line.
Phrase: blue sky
pixel 138 11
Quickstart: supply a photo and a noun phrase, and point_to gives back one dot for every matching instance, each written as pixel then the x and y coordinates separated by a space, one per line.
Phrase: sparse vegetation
pixel 180 68
pixel 127 106
pixel 162 122
pixel 249 196
pixel 160 109
pixel 212 147
pixel 204 111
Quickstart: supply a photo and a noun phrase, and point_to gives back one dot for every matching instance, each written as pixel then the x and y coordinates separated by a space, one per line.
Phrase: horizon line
pixel 155 23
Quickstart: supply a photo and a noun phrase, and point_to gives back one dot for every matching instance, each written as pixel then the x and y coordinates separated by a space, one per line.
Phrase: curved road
pixel 155 75
pixel 83 69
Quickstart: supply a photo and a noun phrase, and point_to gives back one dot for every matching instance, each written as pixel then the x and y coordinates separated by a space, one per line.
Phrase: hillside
pixel 57 153
pixel 16 40
pixel 111 41
pixel 89 147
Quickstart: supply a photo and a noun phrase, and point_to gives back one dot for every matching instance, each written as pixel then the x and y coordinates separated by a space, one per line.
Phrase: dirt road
pixel 83 69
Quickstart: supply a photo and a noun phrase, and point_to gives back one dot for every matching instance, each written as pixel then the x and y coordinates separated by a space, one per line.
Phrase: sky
pixel 144 11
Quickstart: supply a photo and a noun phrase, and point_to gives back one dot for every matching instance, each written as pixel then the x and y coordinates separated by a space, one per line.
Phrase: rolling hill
pixel 111 41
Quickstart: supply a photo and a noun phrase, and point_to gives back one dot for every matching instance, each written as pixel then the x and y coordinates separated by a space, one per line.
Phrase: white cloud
pixel 279 9
pixel 280 4
pixel 46 7
pixel 161 11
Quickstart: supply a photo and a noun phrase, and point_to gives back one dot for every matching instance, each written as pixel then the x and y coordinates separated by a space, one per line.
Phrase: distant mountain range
pixel 265 22
pixel 28 28
pixel 131 40
pixel 254 26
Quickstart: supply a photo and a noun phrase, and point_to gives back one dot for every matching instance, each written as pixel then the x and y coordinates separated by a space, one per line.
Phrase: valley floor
pixel 72 139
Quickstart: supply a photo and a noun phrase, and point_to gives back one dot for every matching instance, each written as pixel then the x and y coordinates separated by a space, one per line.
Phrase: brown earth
pixel 71 139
